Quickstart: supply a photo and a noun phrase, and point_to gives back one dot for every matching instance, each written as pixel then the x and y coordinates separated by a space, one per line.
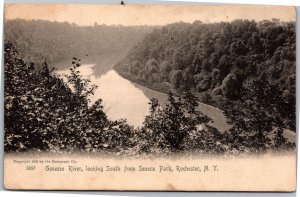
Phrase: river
pixel 123 99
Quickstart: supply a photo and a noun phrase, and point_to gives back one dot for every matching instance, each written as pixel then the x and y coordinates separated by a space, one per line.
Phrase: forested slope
pixel 221 63
pixel 39 39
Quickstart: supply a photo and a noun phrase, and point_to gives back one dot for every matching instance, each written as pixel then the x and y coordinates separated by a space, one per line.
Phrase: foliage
pixel 217 61
pixel 170 126
pixel 42 113
pixel 245 68
pixel 257 118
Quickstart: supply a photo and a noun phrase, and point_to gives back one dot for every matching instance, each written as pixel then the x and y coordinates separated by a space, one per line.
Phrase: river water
pixel 123 99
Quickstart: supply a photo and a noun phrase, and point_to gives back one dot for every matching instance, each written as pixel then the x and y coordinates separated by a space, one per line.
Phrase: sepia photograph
pixel 186 97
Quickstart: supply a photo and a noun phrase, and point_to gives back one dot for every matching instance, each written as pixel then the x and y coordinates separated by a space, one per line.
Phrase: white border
pixel 116 194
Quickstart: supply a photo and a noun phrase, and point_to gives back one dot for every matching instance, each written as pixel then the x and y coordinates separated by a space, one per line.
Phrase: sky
pixel 130 15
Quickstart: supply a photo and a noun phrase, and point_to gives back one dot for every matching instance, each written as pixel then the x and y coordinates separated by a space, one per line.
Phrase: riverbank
pixel 217 115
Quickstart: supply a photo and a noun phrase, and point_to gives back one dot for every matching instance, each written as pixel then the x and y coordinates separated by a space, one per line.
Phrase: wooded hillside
pixel 39 39
pixel 219 62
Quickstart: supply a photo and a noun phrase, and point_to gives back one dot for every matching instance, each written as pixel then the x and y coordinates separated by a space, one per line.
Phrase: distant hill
pixel 218 62
pixel 56 41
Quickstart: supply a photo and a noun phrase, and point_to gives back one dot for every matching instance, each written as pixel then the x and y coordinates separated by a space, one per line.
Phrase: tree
pixel 256 117
pixel 231 86
pixel 172 124
pixel 81 87
pixel 176 78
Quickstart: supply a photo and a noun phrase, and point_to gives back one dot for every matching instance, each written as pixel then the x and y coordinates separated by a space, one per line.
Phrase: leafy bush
pixel 179 126
pixel 42 113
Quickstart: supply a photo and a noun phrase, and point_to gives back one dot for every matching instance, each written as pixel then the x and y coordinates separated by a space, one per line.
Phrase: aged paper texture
pixel 150 97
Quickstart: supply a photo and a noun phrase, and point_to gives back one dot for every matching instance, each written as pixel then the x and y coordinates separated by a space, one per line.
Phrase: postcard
pixel 149 97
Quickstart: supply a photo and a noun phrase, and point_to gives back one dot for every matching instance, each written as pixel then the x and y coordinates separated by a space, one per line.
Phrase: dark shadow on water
pixel 105 62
